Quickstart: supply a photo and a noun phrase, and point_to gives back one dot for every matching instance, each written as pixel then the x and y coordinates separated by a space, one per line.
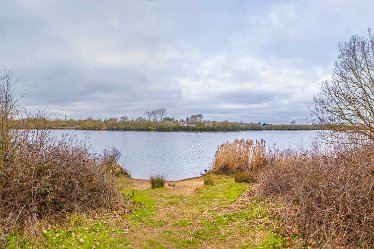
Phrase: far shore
pixel 166 124
pixel 303 128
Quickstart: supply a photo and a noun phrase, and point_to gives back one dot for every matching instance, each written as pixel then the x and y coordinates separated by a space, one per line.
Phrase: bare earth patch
pixel 183 187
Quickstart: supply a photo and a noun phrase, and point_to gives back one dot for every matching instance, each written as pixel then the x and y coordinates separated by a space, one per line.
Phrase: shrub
pixel 157 181
pixel 239 156
pixel 43 177
pixel 328 199
pixel 208 180
pixel 109 162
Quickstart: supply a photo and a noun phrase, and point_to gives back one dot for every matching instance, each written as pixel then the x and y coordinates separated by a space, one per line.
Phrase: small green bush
pixel 157 181
pixel 208 180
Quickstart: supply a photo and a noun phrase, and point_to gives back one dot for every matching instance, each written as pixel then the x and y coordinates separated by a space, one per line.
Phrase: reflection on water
pixel 179 155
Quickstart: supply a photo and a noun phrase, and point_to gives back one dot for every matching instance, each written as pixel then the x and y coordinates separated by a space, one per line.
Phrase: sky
pixel 236 60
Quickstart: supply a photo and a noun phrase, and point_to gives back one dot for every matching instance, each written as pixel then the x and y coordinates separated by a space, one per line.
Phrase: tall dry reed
pixel 239 156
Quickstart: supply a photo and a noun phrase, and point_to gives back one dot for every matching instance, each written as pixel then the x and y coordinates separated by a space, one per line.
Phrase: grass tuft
pixel 157 181
pixel 208 180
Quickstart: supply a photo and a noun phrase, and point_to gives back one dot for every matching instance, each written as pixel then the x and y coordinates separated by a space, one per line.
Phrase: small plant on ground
pixel 208 180
pixel 157 181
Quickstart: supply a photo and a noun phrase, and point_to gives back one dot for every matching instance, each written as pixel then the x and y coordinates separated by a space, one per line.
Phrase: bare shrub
pixel 47 178
pixel 238 156
pixel 328 199
pixel 109 162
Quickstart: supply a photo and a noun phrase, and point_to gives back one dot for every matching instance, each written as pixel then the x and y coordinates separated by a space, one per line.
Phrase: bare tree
pixel 8 107
pixel 148 114
pixel 161 112
pixel 346 102
pixel 154 115
pixel 196 118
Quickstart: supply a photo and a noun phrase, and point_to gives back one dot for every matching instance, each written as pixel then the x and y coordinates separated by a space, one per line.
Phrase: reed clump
pixel 239 156
pixel 328 199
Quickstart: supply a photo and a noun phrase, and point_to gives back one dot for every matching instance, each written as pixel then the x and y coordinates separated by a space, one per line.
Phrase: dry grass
pixel 239 156
pixel 44 178
pixel 329 200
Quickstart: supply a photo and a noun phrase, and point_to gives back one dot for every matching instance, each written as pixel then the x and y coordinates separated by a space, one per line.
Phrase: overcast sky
pixel 255 61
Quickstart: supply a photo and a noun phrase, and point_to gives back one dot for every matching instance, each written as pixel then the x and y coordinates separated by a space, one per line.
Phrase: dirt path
pixel 187 214
pixel 183 214
pixel 184 187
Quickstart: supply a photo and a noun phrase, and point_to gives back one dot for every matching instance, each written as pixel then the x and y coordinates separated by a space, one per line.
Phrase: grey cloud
pixel 236 60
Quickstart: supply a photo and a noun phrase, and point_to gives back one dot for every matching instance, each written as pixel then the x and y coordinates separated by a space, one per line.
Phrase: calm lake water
pixel 179 155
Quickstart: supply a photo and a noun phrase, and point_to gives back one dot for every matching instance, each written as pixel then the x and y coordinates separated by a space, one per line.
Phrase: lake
pixel 179 155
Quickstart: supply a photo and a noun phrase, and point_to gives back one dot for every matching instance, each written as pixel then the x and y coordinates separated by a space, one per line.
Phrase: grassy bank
pixel 185 214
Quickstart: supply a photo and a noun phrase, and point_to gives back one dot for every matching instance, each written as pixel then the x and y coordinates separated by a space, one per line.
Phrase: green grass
pixel 212 216
pixel 145 207
pixel 83 234
pixel 207 217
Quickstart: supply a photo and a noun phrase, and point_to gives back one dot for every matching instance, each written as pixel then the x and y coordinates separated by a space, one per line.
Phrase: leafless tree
pixel 154 115
pixel 161 112
pixel 148 114
pixel 8 107
pixel 196 118
pixel 346 102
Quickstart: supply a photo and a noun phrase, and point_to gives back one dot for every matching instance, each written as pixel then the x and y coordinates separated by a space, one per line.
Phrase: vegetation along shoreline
pixel 167 125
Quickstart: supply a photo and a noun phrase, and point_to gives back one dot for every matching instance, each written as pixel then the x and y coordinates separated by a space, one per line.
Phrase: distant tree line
pixel 156 120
